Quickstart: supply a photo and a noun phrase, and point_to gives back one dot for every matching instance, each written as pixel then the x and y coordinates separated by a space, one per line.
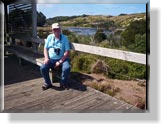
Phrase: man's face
pixel 56 32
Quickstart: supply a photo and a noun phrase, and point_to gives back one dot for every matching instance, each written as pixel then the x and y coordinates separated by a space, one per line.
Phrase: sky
pixel 52 10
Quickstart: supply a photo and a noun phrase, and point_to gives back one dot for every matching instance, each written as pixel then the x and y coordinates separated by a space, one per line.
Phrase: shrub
pixel 73 38
pixel 125 70
pixel 105 44
pixel 66 32
pixel 99 36
pixel 112 68
pixel 83 39
pixel 131 35
pixel 83 63
pixel 43 34
pixel 100 67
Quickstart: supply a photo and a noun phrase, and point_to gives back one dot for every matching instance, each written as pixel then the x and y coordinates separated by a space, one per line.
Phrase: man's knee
pixel 66 67
pixel 43 67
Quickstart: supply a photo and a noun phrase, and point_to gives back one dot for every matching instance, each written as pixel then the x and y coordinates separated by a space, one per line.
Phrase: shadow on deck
pixel 23 93
pixel 14 73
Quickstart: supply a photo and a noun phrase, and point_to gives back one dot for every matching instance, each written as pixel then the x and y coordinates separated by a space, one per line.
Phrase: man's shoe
pixel 67 87
pixel 62 87
pixel 45 87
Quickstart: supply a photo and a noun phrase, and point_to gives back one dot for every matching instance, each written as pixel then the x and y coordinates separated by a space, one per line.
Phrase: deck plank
pixel 29 97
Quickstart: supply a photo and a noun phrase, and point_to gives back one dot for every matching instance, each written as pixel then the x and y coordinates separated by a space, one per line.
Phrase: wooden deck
pixel 23 93
pixel 28 96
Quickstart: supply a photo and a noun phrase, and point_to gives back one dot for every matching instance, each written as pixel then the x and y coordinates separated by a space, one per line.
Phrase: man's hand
pixel 46 60
pixel 57 64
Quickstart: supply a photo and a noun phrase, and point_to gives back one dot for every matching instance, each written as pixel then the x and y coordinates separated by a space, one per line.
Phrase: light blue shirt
pixel 53 43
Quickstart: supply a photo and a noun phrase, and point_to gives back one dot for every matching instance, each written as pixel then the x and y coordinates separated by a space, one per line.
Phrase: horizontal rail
pixel 118 54
pixel 107 52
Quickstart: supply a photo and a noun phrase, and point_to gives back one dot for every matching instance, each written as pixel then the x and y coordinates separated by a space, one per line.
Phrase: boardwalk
pixel 23 93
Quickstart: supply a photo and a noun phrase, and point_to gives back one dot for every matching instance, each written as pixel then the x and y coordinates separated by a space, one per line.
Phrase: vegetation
pixel 129 33
pixel 99 36
pixel 82 62
pixel 62 18
pixel 105 88
pixel 134 36
pixel 115 68
pixel 41 19
pixel 100 21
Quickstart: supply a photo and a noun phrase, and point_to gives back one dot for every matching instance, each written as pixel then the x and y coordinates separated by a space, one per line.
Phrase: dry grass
pixel 129 91
pixel 104 86
pixel 141 83
pixel 99 67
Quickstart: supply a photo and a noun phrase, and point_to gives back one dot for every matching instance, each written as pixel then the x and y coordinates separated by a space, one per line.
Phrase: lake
pixel 85 31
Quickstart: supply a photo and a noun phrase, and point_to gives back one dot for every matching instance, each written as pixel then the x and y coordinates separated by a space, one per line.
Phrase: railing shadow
pixel 77 79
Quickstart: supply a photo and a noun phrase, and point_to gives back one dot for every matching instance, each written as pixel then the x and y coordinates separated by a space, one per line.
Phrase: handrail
pixel 112 53
pixel 107 52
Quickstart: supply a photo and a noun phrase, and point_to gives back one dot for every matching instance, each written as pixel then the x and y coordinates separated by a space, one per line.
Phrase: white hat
pixel 55 25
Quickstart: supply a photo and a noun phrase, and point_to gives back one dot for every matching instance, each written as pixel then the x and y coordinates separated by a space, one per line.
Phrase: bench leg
pixel 20 61
pixel 6 53
pixel 54 76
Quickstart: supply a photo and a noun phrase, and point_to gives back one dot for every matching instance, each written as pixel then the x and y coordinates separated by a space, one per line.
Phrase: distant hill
pixel 120 21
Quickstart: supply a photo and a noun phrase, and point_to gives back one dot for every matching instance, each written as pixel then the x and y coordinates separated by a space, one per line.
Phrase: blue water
pixel 85 31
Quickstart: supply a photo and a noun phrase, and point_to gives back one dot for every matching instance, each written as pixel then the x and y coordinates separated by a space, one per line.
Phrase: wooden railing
pixel 113 53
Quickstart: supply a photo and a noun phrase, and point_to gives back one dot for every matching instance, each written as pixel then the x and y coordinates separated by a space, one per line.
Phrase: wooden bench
pixel 35 58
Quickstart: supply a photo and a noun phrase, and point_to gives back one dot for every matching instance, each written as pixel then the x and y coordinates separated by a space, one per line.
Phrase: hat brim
pixel 56 28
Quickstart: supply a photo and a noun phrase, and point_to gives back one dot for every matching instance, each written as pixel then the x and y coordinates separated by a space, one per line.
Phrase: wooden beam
pixel 2 55
pixel 34 21
pixel 118 54
pixel 6 19
pixel 34 25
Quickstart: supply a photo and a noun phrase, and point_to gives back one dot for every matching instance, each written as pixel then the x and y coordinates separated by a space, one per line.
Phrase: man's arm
pixel 66 54
pixel 46 57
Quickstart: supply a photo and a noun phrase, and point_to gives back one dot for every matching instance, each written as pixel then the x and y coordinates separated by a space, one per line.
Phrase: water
pixel 85 31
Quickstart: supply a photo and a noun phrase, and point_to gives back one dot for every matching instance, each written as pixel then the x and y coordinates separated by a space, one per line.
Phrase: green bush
pixel 43 34
pixel 99 36
pixel 140 43
pixel 135 33
pixel 66 32
pixel 82 63
pixel 105 44
pixel 41 19
pixel 117 69
pixel 83 39
pixel 73 38
pixel 125 70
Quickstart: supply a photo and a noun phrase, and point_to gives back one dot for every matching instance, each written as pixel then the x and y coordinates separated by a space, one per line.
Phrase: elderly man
pixel 56 53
